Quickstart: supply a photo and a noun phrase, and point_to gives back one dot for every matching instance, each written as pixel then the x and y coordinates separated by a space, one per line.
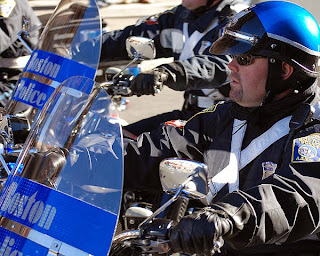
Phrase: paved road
pixel 119 15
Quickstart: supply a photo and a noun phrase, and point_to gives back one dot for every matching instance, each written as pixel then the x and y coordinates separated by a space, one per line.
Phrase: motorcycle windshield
pixel 57 56
pixel 65 192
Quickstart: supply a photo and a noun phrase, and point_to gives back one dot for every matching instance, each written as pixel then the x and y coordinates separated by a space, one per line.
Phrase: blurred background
pixel 116 15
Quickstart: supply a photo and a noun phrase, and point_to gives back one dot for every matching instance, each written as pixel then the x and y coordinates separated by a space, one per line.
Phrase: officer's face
pixel 248 86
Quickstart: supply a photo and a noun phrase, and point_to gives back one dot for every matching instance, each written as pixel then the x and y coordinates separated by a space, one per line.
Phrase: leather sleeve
pixel 198 72
pixel 284 207
pixel 143 156
pixel 114 42
pixel 9 28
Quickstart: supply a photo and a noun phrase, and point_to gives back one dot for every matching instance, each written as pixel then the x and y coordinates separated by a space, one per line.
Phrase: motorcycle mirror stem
pixel 162 208
pixel 131 62
pixel 6 133
pixel 23 34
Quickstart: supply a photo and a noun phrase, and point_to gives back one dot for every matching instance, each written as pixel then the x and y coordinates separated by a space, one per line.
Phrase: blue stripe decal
pixel 56 214
pixel 52 68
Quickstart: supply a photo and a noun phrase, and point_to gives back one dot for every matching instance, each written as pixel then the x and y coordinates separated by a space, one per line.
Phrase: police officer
pixel 262 148
pixel 184 33
pixel 15 15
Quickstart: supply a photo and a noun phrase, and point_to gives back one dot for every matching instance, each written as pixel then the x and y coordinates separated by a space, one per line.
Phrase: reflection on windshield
pixel 56 58
pixel 77 149
pixel 92 169
pixel 73 23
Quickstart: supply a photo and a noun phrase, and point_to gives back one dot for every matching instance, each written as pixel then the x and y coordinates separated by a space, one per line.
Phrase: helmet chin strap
pixel 274 76
pixel 275 83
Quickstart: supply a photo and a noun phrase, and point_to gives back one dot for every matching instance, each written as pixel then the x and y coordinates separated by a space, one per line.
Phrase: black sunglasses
pixel 245 59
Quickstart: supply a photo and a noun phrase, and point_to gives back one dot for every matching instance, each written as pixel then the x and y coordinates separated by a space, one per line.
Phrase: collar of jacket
pixel 267 114
pixel 200 20
pixel 202 17
pixel 182 12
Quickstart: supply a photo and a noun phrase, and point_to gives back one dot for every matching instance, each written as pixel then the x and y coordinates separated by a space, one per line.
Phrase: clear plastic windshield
pixel 58 57
pixel 76 147
pixel 70 172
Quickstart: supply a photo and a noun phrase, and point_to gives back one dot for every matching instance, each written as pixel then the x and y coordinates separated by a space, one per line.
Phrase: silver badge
pixel 268 168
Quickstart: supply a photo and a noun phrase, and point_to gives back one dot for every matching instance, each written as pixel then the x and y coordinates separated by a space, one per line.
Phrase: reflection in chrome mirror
pixel 190 174
pixel 140 48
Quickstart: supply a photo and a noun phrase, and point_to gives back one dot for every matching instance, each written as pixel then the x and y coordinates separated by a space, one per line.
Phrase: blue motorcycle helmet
pixel 280 31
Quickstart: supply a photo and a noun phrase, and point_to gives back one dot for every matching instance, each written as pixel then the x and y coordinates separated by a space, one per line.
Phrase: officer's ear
pixel 287 70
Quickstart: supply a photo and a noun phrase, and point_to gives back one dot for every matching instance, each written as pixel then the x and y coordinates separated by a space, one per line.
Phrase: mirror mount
pixel 180 176
pixel 120 72
pixel 162 208
pixel 138 48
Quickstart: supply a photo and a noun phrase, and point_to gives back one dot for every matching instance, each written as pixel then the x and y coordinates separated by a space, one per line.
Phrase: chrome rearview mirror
pixel 193 176
pixel 140 48
pixel 178 177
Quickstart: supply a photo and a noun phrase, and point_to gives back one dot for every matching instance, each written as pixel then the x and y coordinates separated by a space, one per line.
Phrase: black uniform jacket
pixel 11 23
pixel 199 68
pixel 279 208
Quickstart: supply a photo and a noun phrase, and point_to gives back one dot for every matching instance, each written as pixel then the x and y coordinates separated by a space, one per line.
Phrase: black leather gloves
pixel 147 83
pixel 199 232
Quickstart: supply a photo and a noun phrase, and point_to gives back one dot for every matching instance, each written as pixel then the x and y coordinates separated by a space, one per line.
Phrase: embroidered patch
pixel 6 7
pixel 306 149
pixel 210 109
pixel 176 123
pixel 268 168
pixel 152 20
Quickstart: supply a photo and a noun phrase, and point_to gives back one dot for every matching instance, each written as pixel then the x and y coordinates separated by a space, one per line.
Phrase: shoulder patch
pixel 152 20
pixel 6 7
pixel 306 149
pixel 176 123
pixel 211 109
pixel 207 110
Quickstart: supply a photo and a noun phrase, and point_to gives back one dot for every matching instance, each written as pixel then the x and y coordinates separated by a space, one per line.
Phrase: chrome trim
pixel 126 235
pixel 314 73
pixel 294 44
pixel 14 227
pixel 55 246
pixel 252 39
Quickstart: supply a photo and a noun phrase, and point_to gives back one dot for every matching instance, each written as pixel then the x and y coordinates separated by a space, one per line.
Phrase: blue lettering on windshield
pixel 54 214
pixel 54 69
